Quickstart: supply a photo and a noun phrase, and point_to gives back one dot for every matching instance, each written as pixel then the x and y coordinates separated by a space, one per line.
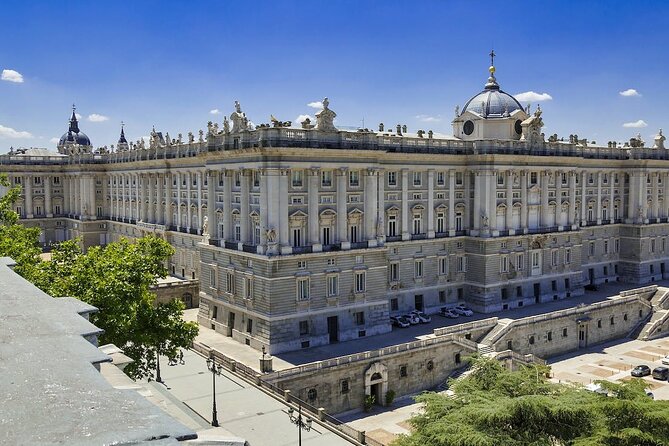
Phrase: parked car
pixel 422 317
pixel 449 313
pixel 591 287
pixel 661 373
pixel 413 319
pixel 640 370
pixel 399 321
pixel 665 360
pixel 463 310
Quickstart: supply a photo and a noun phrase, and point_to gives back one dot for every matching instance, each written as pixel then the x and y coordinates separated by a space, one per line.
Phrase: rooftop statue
pixel 239 120
pixel 325 118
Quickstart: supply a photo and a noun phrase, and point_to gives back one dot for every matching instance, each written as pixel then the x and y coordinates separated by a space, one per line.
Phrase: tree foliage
pixel 495 406
pixel 16 241
pixel 116 279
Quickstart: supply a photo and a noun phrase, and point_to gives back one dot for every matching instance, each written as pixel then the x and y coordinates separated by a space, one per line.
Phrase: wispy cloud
pixel 10 133
pixel 12 76
pixel 630 92
pixel 301 118
pixel 636 124
pixel 54 140
pixel 77 115
pixel 215 112
pixel 532 96
pixel 315 104
pixel 97 118
pixel 428 118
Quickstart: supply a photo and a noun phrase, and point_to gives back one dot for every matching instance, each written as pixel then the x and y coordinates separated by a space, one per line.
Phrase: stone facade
pixel 302 237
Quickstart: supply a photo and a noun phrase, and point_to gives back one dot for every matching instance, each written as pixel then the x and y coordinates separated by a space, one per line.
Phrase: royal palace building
pixel 307 236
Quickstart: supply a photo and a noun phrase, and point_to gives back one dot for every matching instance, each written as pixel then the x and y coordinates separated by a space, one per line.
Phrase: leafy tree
pixel 16 241
pixel 116 279
pixel 495 406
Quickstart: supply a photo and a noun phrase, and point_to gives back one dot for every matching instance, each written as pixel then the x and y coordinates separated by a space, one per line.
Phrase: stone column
pixel 451 202
pixel 666 194
pixel 509 202
pixel 199 201
pixel 142 183
pixel 178 202
pixel 545 179
pixel 28 191
pixel 160 210
pixel 313 236
pixel 467 217
pixel 598 204
pixel 342 209
pixel 572 199
pixel 584 197
pixel 283 233
pixel 151 178
pixel 211 205
pixel 47 196
pixel 370 198
pixel 189 221
pixel 66 195
pixel 228 230
pixel 477 211
pixel 264 212
pixel 106 209
pixel 406 234
pixel 430 203
pixel 612 197
pixel 523 200
pixel 558 200
pixel 245 207
pixel 381 210
pixel 655 195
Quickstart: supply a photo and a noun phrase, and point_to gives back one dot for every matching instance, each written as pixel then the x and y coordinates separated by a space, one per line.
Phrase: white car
pixel 422 317
pixel 413 319
pixel 462 310
pixel 665 360
pixel 449 313
pixel 400 321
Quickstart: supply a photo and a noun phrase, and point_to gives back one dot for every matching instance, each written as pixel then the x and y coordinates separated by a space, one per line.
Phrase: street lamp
pixel 215 369
pixel 299 422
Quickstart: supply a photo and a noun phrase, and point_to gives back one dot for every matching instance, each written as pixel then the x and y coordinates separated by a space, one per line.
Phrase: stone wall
pixel 186 290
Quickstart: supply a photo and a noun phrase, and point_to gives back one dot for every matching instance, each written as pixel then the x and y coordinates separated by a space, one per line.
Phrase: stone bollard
pixel 321 413
pixel 233 366
pixel 258 380
pixel 361 437
pixel 286 395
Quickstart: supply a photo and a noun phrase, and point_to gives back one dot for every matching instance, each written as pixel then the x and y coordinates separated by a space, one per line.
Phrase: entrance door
pixel 662 268
pixel 231 322
pixel 418 301
pixel 582 336
pixel 537 292
pixel 333 329
pixel 591 275
pixel 375 391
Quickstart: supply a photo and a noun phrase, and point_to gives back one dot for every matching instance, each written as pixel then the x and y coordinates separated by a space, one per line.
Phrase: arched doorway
pixel 376 382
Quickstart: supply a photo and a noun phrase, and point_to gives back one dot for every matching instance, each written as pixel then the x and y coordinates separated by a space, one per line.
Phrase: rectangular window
pixel 462 264
pixel 326 178
pixel 652 245
pixel 533 178
pixel 417 180
pixel 394 304
pixel 418 269
pixel 394 272
pixel 536 259
pixel 297 178
pixel 333 285
pixel 354 178
pixel 567 256
pixel 441 227
pixel 458 178
pixel 212 278
pixel 440 178
pixel 591 249
pixel 606 246
pixel 360 281
pixel 248 288
pixel 616 245
pixel 297 237
pixel 392 226
pixel 520 262
pixel 392 178
pixel 230 282
pixel 360 318
pixel 303 288
pixel 442 296
pixel 304 328
pixel 443 266
pixel 249 325
pixel 504 264
pixel 554 257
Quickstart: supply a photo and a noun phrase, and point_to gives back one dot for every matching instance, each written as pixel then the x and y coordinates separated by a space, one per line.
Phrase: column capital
pixel 314 171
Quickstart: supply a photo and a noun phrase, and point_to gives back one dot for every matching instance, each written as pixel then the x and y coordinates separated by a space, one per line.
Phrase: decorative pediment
pixel 501 207
pixel 418 208
pixel 441 207
pixel 298 214
pixel 355 212
pixel 328 213
pixel 235 212
pixel 552 203
pixel 460 205
pixel 393 209
pixel 517 205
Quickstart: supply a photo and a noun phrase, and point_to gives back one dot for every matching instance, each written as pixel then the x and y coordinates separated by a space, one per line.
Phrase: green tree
pixel 17 241
pixel 116 279
pixel 495 406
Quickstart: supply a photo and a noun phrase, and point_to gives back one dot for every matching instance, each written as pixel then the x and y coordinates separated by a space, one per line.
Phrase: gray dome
pixel 71 138
pixel 492 103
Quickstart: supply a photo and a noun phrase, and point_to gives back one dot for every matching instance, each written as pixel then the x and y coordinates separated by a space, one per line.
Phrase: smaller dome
pixel 492 103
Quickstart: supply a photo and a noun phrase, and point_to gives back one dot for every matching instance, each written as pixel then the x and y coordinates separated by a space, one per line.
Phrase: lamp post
pixel 215 369
pixel 299 422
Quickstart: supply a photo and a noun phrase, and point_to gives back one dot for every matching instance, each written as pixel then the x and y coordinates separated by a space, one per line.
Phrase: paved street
pixel 243 410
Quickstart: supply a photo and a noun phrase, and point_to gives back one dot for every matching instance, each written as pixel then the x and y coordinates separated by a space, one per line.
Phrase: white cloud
pixel 315 104
pixel 301 118
pixel 629 93
pixel 97 118
pixel 636 124
pixel 427 118
pixel 215 111
pixel 78 116
pixel 8 132
pixel 54 140
pixel 531 96
pixel 12 76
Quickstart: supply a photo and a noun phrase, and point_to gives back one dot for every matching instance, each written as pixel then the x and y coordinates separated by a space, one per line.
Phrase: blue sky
pixel 168 63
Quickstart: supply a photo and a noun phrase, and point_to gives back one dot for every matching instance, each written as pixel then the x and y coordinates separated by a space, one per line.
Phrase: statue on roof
pixel 239 120
pixel 659 140
pixel 226 125
pixel 325 118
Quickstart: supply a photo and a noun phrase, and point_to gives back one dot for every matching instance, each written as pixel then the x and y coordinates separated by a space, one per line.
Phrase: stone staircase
pixel 658 319
pixel 497 332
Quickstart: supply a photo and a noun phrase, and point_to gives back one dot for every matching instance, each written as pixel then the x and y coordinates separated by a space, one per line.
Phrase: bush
pixel 390 397
pixel 369 402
